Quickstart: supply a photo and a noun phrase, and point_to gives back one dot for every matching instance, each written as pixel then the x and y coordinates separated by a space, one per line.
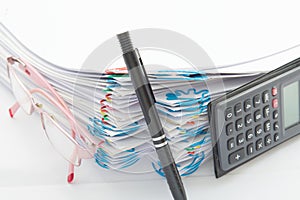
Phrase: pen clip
pixel 149 88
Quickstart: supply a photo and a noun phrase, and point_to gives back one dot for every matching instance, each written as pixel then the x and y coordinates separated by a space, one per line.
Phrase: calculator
pixel 255 117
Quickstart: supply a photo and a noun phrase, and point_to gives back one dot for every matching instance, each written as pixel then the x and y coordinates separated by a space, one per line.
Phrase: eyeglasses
pixel 67 137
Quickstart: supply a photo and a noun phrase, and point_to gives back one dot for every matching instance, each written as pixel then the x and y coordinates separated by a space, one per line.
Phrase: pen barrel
pixel 147 102
pixel 171 173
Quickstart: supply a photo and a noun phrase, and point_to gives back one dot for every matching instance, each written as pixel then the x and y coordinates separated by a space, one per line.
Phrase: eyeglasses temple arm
pixel 37 78
pixel 70 177
pixel 13 109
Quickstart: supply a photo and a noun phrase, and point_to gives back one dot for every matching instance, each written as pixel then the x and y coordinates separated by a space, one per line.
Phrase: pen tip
pixel 71 178
pixel 11 113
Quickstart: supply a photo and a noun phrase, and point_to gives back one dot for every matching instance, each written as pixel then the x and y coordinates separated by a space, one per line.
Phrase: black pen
pixel 146 99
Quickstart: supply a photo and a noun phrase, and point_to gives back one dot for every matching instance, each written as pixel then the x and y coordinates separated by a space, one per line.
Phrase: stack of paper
pixel 182 97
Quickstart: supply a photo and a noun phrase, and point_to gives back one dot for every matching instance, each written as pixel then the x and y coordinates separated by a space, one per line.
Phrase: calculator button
pixel 266 112
pixel 274 91
pixel 258 130
pixel 256 100
pixel 240 139
pixel 229 129
pixel 239 125
pixel 257 115
pixel 238 109
pixel 275 114
pixel 228 114
pixel 266 96
pixel 247 105
pixel 249 135
pixel 230 144
pixel 268 140
pixel 276 137
pixel 248 120
pixel 267 126
pixel 259 144
pixel 236 156
pixel 276 126
pixel 275 103
pixel 250 149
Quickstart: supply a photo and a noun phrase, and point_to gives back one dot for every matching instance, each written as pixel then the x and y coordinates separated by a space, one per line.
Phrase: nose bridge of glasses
pixel 68 116
pixel 50 99
pixel 42 82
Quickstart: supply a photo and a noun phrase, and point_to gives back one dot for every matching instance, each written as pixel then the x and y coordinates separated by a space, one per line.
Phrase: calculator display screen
pixel 291 104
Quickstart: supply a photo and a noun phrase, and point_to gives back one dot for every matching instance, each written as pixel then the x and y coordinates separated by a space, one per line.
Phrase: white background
pixel 65 32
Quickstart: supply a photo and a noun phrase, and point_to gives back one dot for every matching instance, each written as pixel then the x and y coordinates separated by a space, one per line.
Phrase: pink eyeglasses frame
pixel 80 152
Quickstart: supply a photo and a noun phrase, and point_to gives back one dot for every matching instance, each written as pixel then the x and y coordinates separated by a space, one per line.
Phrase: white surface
pixel 66 32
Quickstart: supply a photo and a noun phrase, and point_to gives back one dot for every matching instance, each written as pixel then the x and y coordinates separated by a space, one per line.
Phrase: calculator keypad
pixel 250 149
pixel 251 120
pixel 236 156
pixel 252 125
pixel 228 114
pixel 238 109
pixel 256 101
pixel 247 105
